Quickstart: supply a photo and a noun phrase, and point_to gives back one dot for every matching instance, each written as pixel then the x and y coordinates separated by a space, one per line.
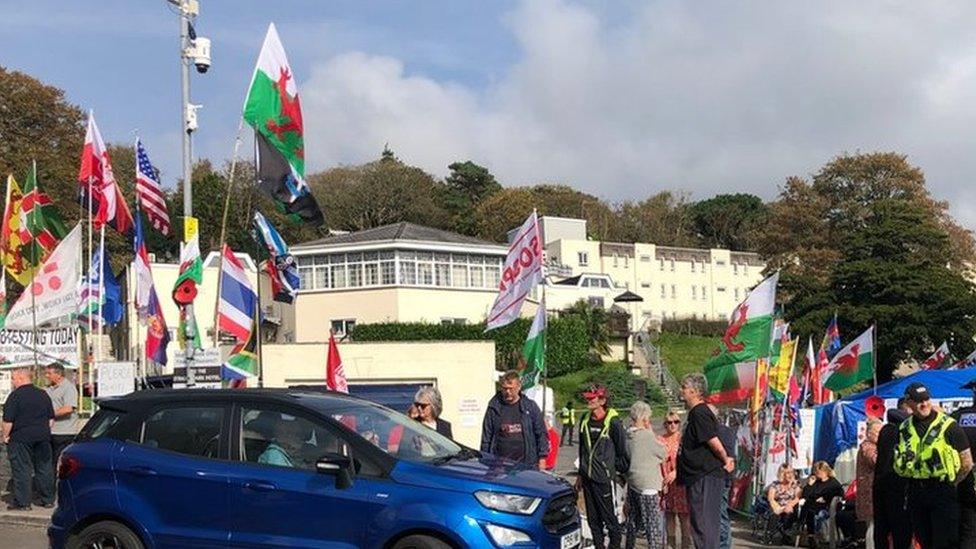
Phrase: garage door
pixel 397 396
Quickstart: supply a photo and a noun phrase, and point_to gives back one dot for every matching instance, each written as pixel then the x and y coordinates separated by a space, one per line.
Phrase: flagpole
pixel 223 223
pixel 874 356
pixel 88 336
pixel 33 262
pixel 101 297
pixel 257 321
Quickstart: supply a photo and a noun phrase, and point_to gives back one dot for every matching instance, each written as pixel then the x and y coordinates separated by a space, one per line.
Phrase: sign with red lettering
pixel 521 272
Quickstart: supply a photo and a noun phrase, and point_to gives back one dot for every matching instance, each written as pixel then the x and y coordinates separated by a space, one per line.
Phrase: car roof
pixel 316 398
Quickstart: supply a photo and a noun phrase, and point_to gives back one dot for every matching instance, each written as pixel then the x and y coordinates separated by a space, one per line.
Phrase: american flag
pixel 149 192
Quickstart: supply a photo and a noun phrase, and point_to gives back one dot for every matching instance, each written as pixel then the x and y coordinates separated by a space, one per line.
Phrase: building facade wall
pixel 463 372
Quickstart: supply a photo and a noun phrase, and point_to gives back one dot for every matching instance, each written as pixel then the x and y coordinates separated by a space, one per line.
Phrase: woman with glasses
pixel 675 501
pixel 427 410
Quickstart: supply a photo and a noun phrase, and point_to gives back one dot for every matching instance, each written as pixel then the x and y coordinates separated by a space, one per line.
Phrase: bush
pixel 709 328
pixel 618 379
pixel 566 340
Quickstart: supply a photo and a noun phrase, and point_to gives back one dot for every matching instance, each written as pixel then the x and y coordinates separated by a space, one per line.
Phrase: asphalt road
pixel 22 537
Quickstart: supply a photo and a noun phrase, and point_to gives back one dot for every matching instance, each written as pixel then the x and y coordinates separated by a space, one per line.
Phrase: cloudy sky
pixel 617 98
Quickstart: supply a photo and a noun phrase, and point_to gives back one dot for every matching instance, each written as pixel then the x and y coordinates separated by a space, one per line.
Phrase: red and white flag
pixel 938 358
pixel 520 274
pixel 149 192
pixel 335 375
pixel 97 183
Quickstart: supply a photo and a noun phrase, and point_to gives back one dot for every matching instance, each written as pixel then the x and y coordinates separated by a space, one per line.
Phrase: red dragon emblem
pixel 291 111
pixel 738 321
pixel 847 364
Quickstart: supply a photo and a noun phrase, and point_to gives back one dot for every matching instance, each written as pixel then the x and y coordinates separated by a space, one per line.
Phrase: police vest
pixel 929 456
pixel 567 416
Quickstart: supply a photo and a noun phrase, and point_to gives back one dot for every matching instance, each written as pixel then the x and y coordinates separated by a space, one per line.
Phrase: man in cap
pixel 891 519
pixel 966 418
pixel 602 456
pixel 933 454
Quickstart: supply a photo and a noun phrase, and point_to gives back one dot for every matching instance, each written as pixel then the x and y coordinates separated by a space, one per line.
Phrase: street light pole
pixel 188 9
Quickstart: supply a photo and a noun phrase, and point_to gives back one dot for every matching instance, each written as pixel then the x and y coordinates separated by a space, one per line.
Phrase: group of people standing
pixel 37 425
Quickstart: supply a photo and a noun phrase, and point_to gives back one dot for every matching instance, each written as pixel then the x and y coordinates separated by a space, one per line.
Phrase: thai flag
pixel 237 301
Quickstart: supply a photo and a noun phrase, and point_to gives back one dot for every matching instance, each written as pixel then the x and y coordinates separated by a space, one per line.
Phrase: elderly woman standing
pixel 675 500
pixel 867 457
pixel 428 407
pixel 644 479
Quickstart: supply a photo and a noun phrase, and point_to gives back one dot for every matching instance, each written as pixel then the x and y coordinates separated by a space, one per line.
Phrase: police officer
pixel 966 418
pixel 567 416
pixel 933 454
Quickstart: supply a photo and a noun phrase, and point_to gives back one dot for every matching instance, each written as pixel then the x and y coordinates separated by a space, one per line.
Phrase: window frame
pixel 223 440
pixel 359 446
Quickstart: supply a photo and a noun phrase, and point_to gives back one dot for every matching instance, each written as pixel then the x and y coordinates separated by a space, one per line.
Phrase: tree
pixel 467 186
pixel 37 123
pixel 661 219
pixel 597 325
pixel 507 209
pixel 866 241
pixel 379 193
pixel 728 221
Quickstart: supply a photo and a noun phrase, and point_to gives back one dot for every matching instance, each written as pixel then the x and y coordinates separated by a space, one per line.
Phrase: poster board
pixel 116 378
pixel 206 369
pixel 52 345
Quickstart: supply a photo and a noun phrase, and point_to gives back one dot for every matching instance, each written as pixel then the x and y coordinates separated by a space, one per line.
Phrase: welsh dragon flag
pixel 273 109
pixel 534 349
pixel 746 339
pixel 185 291
pixel 853 364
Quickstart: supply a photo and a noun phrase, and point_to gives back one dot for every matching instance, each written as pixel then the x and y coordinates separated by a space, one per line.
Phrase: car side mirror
pixel 338 465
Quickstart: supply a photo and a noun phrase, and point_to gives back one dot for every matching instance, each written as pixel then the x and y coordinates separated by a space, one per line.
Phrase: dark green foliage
pixel 618 379
pixel 728 221
pixel 595 321
pixel 566 349
pixel 467 186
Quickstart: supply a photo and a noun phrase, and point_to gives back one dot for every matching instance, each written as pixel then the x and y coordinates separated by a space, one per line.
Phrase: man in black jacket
pixel 602 456
pixel 513 428
pixel 891 518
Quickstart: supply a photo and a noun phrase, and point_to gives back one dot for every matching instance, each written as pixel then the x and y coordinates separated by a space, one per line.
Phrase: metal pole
pixel 189 335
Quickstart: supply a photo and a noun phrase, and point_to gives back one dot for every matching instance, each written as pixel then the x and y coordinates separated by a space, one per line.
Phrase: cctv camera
pixel 199 51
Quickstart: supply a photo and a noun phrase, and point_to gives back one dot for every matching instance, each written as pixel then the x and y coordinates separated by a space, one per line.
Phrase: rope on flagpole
pixel 223 227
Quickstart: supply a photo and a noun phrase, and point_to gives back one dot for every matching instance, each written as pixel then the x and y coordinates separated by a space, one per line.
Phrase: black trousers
pixel 704 504
pixel 934 508
pixel 28 458
pixel 568 429
pixel 967 526
pixel 58 444
pixel 601 513
pixel 891 518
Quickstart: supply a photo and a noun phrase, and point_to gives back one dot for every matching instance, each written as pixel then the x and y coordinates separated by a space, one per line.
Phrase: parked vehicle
pixel 292 468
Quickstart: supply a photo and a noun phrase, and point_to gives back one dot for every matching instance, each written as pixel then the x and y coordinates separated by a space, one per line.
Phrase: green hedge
pixel 566 343
pixel 707 328
pixel 618 379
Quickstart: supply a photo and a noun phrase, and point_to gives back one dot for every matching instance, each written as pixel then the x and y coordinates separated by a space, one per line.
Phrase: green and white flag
pixel 731 371
pixel 534 349
pixel 274 110
pixel 853 364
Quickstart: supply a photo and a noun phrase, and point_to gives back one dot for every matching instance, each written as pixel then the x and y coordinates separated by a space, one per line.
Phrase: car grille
pixel 560 513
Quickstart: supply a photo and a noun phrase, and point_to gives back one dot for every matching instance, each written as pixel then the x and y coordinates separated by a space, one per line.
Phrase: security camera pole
pixel 188 10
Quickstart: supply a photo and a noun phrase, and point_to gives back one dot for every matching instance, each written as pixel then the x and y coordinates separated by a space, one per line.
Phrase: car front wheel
pixel 106 534
pixel 420 542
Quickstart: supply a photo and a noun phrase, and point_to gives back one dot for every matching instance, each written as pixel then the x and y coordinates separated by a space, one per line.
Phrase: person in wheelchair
pixel 783 497
pixel 820 489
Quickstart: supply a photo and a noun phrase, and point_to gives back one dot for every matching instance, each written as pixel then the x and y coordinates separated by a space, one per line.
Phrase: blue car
pixel 292 468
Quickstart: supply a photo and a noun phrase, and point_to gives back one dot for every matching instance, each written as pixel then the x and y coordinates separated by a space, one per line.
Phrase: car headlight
pixel 508 503
pixel 505 537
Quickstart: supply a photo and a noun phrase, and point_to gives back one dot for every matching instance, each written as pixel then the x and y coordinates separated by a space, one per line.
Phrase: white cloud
pixel 703 97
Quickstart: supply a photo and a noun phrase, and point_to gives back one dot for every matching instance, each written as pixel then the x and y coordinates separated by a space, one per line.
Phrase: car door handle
pixel 260 486
pixel 142 471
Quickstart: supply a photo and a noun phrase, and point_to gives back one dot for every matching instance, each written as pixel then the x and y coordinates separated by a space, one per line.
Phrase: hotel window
pixel 694 293
pixel 425 274
pixel 645 258
pixel 477 276
pixel 355 271
pixel 626 262
pixel 459 275
pixel 338 274
pixel 704 294
pixel 672 265
pixel 454 321
pixel 645 284
pixel 615 260
pixel 720 289
pixel 720 263
pixel 493 269
pixel 674 291
pixel 735 268
pixel 343 326
pixel 736 294
pixel 660 264
pixel 371 274
pixel 584 258
pixel 692 266
pixel 745 270
pixel 408 267
pixel 663 292
pixel 442 269
pixel 305 277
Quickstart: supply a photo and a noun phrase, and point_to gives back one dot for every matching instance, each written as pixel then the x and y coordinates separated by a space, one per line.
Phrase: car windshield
pixel 394 433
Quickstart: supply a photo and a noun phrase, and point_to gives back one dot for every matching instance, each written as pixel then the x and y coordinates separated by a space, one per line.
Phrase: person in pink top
pixel 867 457
pixel 675 501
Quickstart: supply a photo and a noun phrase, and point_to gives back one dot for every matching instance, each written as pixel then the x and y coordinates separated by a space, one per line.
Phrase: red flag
pixel 98 182
pixel 335 376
